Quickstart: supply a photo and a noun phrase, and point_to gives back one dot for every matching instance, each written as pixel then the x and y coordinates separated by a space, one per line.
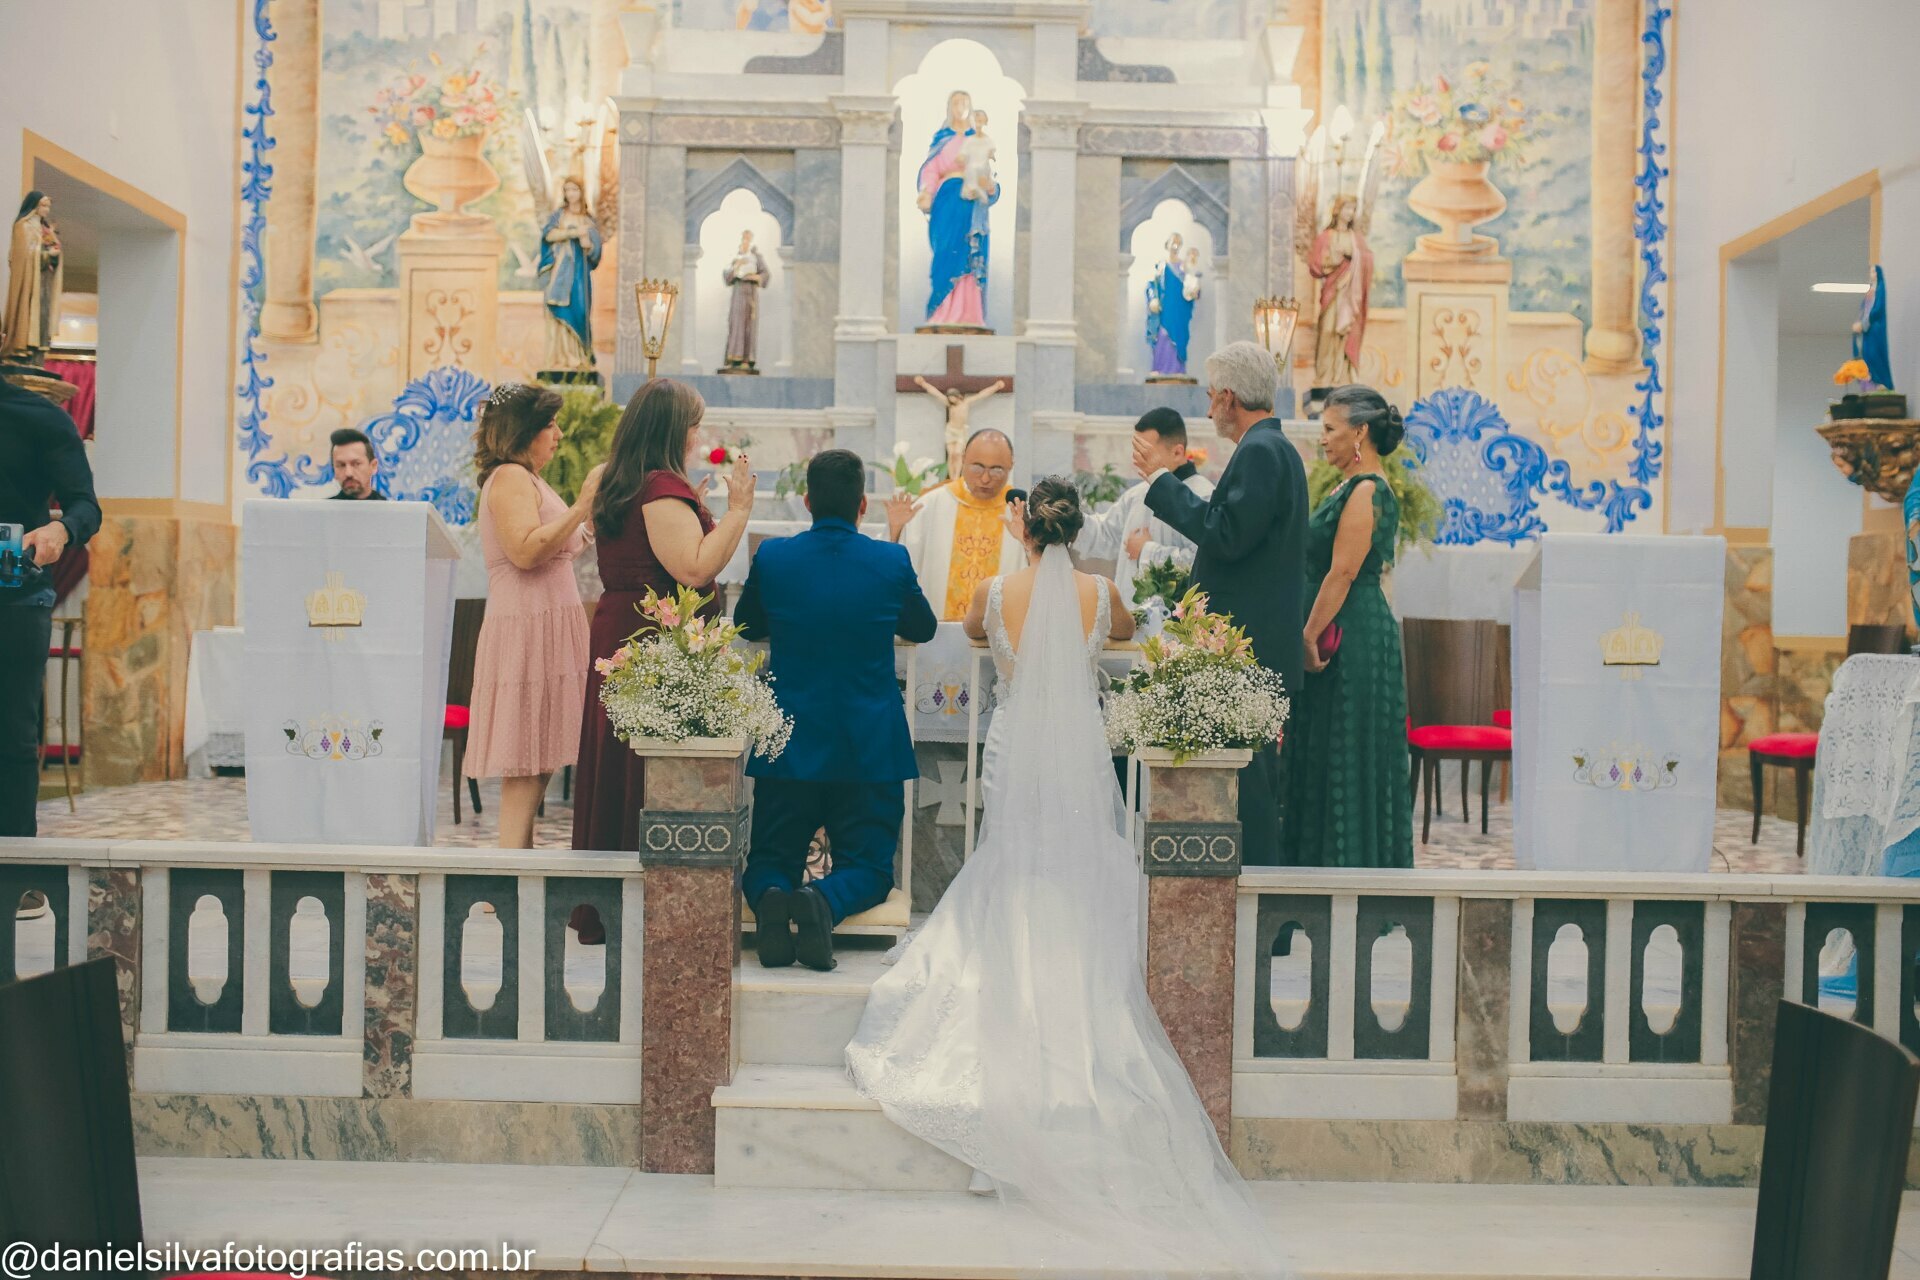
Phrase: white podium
pixel 1616 703
pixel 348 609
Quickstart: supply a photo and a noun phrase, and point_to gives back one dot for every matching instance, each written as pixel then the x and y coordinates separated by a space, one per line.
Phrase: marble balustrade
pixel 255 972
pixel 1458 1025
pixel 1517 998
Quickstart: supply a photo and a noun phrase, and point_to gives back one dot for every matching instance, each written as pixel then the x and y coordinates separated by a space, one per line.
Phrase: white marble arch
pixel 707 259
pixel 1146 250
pixel 951 65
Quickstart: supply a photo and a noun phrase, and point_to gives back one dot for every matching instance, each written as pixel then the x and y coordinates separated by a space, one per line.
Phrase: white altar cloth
pixel 1616 703
pixel 1866 781
pixel 1466 583
pixel 216 725
pixel 348 616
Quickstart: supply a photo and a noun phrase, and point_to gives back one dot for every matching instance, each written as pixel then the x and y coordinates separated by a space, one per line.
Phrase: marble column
pixel 1123 338
pixel 630 244
pixel 1044 354
pixel 693 833
pixel 1192 863
pixel 861 376
pixel 1758 983
pixel 1485 1000
pixel 289 314
pixel 392 986
pixel 152 582
pixel 1613 340
pixel 685 313
pixel 113 929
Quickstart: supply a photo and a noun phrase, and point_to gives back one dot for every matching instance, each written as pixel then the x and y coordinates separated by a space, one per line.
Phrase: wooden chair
pixel 66 652
pixel 1454 687
pixel 1797 751
pixel 1834 1161
pixel 467 616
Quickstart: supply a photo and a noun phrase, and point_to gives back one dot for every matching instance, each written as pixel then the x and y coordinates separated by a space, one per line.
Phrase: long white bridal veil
pixel 1088 1116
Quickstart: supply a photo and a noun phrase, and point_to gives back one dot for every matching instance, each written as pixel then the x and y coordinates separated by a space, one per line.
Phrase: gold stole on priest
pixel 976 547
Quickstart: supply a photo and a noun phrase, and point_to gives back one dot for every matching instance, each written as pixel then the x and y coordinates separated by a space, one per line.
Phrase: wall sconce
pixel 1274 320
pixel 655 299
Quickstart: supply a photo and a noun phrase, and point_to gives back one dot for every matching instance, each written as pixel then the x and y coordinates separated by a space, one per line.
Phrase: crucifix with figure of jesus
pixel 957 392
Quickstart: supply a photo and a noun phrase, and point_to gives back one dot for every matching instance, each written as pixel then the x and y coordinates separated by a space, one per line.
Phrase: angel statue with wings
pixel 570 245
pixel 1336 253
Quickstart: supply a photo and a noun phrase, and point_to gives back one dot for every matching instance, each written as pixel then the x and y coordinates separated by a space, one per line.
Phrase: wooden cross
pixel 954 379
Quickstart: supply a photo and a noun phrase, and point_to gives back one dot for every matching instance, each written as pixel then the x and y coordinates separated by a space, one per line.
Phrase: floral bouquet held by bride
pixel 681 677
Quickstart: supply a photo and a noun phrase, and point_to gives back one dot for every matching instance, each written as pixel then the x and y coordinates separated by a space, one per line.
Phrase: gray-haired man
pixel 1251 537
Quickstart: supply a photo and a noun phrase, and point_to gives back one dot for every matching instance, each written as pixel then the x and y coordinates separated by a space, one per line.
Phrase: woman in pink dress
pixel 530 672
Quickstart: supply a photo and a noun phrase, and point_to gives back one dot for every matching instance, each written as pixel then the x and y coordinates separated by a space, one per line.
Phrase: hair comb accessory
pixel 503 392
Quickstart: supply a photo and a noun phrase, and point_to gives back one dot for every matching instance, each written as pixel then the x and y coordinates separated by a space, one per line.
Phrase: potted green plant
pixel 586 420
pixel 1419 509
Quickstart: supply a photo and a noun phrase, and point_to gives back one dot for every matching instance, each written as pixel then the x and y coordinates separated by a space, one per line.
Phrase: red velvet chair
pixel 1798 751
pixel 1456 686
pixel 467 617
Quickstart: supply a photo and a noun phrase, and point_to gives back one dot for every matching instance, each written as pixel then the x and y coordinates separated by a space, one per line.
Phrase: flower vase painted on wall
pixel 1458 130
pixel 450 116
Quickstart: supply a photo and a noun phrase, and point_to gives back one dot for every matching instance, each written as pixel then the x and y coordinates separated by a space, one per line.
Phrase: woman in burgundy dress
pixel 652 531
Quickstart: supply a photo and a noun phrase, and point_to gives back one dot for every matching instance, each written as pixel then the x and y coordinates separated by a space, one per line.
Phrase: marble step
pixel 807 1127
pixel 618 1223
pixel 796 1017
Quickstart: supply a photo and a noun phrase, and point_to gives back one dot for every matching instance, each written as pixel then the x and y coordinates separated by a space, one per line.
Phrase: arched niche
pixel 948 66
pixel 716 242
pixel 1146 251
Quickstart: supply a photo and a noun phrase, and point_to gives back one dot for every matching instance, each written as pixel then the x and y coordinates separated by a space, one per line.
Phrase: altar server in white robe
pixel 1132 536
pixel 956 535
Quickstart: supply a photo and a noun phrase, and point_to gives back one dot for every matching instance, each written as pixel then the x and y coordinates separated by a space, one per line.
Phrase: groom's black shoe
pixel 772 937
pixel 813 928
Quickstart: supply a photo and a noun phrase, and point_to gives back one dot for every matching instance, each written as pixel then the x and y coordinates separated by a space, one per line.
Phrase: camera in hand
pixel 16 563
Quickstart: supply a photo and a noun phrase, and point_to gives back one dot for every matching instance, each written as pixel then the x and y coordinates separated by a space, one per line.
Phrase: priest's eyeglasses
pixel 990 473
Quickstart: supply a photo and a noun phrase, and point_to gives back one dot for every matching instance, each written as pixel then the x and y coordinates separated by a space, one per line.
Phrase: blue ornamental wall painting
pixel 461 120
pixel 1520 247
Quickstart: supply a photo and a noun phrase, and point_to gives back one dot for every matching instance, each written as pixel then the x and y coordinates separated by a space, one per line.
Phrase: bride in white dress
pixel 1015 1032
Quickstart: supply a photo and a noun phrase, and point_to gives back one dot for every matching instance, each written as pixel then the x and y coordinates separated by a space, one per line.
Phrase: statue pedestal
pixel 449 294
pixel 1456 318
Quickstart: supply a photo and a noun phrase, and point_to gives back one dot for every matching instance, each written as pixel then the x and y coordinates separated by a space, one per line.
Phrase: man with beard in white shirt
pixel 1129 534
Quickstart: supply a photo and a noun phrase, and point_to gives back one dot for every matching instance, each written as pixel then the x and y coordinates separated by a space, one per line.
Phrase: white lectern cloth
pixel 1614 766
pixel 344 723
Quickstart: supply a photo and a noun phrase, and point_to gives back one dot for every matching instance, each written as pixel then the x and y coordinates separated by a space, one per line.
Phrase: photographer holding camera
pixel 40 456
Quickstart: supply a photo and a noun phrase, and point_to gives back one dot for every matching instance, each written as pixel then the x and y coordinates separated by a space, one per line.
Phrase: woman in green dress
pixel 1345 754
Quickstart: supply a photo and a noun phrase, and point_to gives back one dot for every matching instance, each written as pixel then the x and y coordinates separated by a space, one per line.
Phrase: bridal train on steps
pixel 1015 1032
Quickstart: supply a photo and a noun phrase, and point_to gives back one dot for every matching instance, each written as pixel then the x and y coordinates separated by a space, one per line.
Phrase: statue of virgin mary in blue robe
pixel 956 224
pixel 570 248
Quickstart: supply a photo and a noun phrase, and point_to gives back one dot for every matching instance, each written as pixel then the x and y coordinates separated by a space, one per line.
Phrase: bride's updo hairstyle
pixel 1054 516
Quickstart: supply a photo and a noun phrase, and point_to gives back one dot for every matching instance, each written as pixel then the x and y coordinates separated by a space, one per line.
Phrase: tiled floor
pixel 216 809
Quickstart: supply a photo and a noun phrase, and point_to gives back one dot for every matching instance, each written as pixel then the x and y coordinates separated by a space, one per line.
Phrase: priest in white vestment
pixel 1132 536
pixel 956 535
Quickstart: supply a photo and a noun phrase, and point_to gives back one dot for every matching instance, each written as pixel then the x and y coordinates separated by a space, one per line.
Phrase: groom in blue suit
pixel 830 601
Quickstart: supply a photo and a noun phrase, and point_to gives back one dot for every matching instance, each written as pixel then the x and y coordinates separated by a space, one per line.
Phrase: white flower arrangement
pixel 1197 689
pixel 914 477
pixel 683 678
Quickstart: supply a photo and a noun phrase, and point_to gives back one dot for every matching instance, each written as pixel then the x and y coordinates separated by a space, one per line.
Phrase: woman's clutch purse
pixel 1329 642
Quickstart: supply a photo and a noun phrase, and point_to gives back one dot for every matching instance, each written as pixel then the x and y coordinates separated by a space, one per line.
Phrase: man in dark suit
pixel 40 456
pixel 830 601
pixel 1251 562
